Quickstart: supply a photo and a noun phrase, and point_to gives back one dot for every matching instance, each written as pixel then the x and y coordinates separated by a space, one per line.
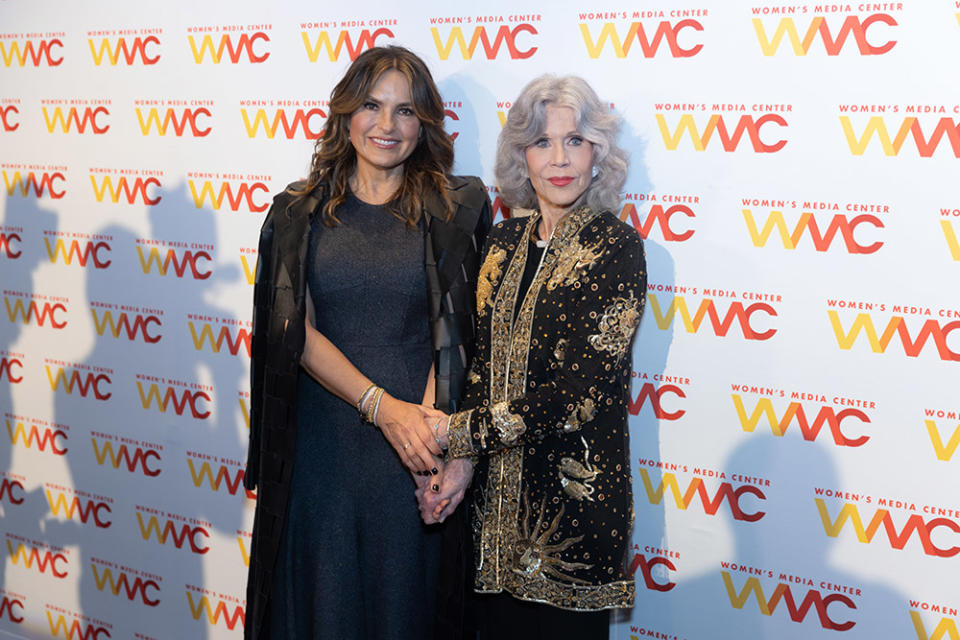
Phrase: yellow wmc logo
pixel 910 126
pixel 130 51
pixel 215 614
pixel 946 628
pixel 244 44
pixel 364 41
pixel 950 235
pixel 942 451
pixel 75 630
pixel 795 413
pixel 818 26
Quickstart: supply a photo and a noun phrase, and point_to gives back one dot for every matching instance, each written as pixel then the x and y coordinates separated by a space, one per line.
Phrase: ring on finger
pixel 406 446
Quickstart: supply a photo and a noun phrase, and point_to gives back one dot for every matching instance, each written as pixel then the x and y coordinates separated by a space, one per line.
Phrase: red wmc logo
pixel 180 264
pixel 662 218
pixel 75 629
pixel 73 121
pixel 698 488
pixel 133 588
pixel 36 52
pixel 89 251
pixel 782 593
pixel 233 342
pixel 237 197
pixel 187 117
pixel 6 609
pixel 818 26
pixel 655 394
pixel 881 517
pixel 235 48
pixel 6 118
pixel 896 325
pixel 73 506
pixel 909 126
pixel 708 309
pixel 42 562
pixel 73 379
pixel 215 614
pixel 646 566
pixel 299 121
pixel 25 184
pixel 636 32
pixel 32 437
pixel 7 365
pixel 138 329
pixel 7 487
pixel 231 481
pixel 504 35
pixel 344 42
pixel 139 461
pixel 133 191
pixel 825 415
pixel 169 397
pixel 822 241
pixel 717 124
pixel 6 245
pixel 32 312
pixel 131 52
pixel 170 531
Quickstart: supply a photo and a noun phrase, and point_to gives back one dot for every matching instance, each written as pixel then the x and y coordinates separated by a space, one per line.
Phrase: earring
pixel 595 171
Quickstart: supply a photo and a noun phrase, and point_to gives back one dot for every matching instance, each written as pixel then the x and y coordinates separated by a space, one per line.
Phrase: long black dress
pixel 355 561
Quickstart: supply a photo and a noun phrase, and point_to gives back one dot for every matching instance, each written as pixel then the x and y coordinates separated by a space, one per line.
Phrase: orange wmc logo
pixel 646 566
pixel 6 117
pixel 709 308
pixel 7 491
pixel 72 379
pixel 180 263
pixel 504 35
pixel 297 121
pixel 943 451
pixel 130 52
pixel 169 397
pixel 813 599
pixel 6 245
pixel 88 252
pixel 152 122
pixel 7 609
pixel 75 630
pixel 717 123
pixel 32 558
pixel 139 461
pixel 924 529
pixel 132 190
pixel 795 412
pixel 239 48
pixel 926 145
pixel 654 394
pixel 637 33
pixel 201 472
pixel 40 187
pixel 179 533
pixel 852 24
pixel 133 589
pixel 138 329
pixel 32 312
pixel 84 510
pixel 946 628
pixel 234 338
pixel 36 52
pixel 821 240
pixel 7 365
pixel 930 332
pixel 215 614
pixel 31 437
pixel 710 505
pixel 662 218
pixel 237 197
pixel 72 120
pixel 353 44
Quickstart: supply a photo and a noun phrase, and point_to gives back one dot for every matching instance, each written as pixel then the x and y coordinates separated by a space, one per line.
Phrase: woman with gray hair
pixel 544 431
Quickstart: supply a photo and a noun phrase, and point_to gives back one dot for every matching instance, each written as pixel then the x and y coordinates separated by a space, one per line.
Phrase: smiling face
pixel 559 162
pixel 384 130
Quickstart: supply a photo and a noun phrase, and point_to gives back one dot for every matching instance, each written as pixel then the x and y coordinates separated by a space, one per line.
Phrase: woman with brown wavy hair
pixel 363 319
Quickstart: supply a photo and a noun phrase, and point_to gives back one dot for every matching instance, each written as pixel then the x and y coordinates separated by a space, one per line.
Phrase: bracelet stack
pixel 369 403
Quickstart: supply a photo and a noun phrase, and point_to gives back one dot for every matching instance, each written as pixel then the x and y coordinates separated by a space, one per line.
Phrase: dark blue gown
pixel 355 560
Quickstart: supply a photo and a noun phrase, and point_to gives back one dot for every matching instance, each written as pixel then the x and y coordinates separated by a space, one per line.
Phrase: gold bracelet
pixel 372 405
pixel 363 397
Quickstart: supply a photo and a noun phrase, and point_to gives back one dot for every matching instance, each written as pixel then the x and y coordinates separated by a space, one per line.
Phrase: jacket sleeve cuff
pixel 458 433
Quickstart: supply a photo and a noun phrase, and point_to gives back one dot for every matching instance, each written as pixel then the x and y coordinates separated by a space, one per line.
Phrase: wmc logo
pixel 926 145
pixel 7 119
pixel 718 124
pixel 946 628
pixel 75 629
pixel 296 121
pixel 133 190
pixel 189 259
pixel 833 45
pixel 137 329
pixel 931 332
pixel 72 379
pixel 215 614
pixel 637 33
pixel 353 44
pixel 201 472
pixel 710 308
pixel 138 462
pixel 238 48
pixel 807 225
pixel 7 366
pixel 696 487
pixel 169 398
pixel 248 260
pixel 7 609
pixel 32 437
pixel 132 588
pixel 72 120
pixel 46 562
pixel 130 52
pixel 154 123
pixel 87 252
pixel 813 599
pixel 37 52
pixel 237 197
pixel 654 394
pixel 924 529
pixel 178 532
pixel 84 510
pixel 29 182
pixel 943 451
pixel 233 339
pixel 31 312
pixel 504 35
pixel 12 491
pixel 796 412
pixel 662 218
pixel 7 250
pixel 646 567
pixel 949 234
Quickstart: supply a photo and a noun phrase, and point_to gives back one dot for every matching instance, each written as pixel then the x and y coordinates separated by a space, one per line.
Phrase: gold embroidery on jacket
pixel 489 276
pixel 617 325
pixel 575 478
pixel 510 426
pixel 573 262
pixel 533 554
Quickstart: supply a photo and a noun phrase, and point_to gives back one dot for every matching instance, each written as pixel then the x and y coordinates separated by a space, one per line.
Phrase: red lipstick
pixel 561 181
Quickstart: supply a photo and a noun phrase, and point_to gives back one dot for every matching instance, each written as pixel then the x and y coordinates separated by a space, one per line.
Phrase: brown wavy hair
pixel 424 171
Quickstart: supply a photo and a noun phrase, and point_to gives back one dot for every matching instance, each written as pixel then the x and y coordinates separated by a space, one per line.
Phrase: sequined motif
pixel 576 478
pixel 533 553
pixel 488 278
pixel 509 425
pixel 620 319
pixel 573 262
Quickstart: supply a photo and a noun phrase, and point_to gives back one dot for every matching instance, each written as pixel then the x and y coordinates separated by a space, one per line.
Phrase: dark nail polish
pixel 434 471
pixel 436 488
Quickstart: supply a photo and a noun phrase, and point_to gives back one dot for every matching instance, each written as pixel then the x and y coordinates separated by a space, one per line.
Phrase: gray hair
pixel 526 122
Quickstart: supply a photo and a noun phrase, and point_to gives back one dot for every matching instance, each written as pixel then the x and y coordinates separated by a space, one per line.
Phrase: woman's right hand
pixel 409 430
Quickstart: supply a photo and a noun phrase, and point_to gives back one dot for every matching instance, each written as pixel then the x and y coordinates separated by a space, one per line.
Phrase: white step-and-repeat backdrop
pixel 794 170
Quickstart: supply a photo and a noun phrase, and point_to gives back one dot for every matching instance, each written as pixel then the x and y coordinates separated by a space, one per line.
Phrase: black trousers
pixel 503 617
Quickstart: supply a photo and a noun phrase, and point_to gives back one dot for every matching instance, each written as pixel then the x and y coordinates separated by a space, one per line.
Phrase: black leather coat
pixel 451 261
